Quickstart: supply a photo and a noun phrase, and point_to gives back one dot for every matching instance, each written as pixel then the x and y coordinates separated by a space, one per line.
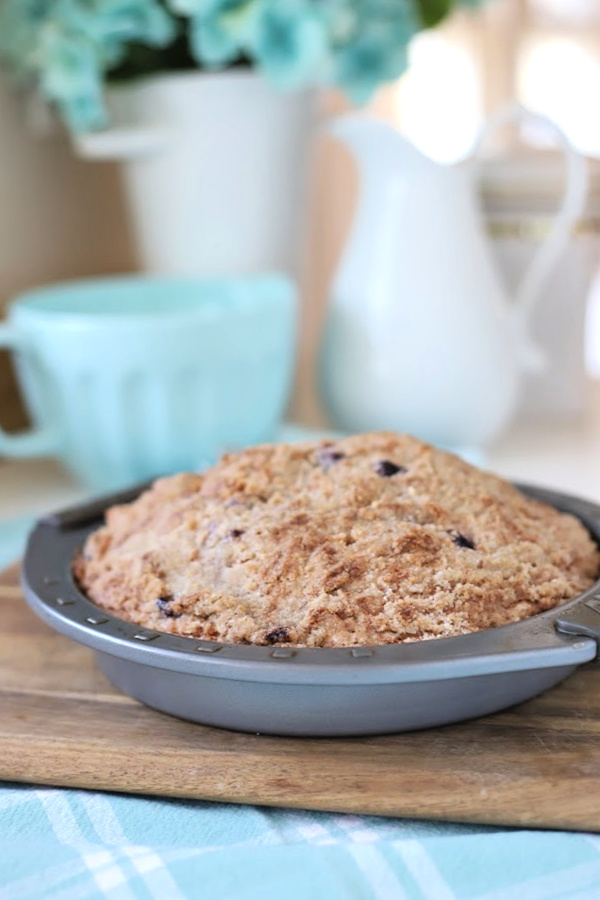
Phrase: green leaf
pixel 433 11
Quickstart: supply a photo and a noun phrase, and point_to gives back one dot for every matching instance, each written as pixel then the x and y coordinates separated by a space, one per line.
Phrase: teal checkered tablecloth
pixel 76 844
pixel 71 845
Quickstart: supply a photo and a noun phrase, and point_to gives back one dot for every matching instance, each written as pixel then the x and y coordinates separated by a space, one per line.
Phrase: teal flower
pixel 72 78
pixel 112 23
pixel 20 24
pixel 376 51
pixel 218 31
pixel 362 66
pixel 195 7
pixel 290 42
pixel 70 47
pixel 134 20
pixel 70 44
pixel 212 44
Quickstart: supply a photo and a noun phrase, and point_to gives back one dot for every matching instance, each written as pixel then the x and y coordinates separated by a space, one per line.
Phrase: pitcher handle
pixel 38 441
pixel 530 287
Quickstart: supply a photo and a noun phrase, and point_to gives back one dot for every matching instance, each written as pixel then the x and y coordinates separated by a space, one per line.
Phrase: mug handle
pixel 38 441
pixel 530 288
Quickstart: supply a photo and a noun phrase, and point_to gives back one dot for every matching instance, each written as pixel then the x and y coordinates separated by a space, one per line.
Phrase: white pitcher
pixel 420 335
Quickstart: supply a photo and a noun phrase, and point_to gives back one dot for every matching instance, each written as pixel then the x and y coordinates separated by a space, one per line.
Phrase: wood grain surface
pixel 62 723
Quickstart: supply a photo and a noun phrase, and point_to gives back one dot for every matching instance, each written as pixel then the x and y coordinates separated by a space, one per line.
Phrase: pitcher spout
pixel 373 142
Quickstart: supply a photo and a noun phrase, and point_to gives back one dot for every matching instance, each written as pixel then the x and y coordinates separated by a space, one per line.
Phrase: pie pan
pixel 312 691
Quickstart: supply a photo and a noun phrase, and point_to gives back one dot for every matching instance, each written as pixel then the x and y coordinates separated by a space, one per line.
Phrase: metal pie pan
pixel 312 691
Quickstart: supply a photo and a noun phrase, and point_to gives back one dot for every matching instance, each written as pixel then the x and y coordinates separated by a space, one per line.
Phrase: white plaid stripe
pixel 377 872
pixel 61 818
pixel 103 818
pixel 157 878
pixel 108 881
pixel 144 861
pixel 102 865
pixel 314 833
pixel 295 826
pixel 424 870
pixel 357 829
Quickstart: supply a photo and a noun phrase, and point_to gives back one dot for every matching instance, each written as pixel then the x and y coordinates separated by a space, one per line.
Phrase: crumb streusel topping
pixel 371 539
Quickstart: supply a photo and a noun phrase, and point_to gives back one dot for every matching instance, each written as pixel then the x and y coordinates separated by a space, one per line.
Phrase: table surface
pixel 75 844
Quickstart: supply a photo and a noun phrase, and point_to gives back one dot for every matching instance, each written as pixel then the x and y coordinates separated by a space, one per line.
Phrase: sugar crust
pixel 315 545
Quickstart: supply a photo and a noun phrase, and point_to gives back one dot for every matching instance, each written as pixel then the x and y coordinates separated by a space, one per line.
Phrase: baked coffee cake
pixel 372 539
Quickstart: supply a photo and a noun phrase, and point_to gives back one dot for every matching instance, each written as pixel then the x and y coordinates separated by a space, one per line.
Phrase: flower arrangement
pixel 71 48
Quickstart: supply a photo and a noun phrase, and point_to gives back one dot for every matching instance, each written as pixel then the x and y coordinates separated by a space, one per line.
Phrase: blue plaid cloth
pixel 71 845
pixel 75 844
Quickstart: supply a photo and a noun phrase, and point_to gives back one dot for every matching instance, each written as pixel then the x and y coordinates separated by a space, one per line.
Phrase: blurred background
pixel 62 217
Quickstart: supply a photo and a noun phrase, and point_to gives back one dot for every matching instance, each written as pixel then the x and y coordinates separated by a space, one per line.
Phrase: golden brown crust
pixel 370 539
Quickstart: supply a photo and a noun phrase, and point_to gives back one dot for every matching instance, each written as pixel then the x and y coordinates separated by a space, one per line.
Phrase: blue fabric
pixel 76 844
pixel 70 845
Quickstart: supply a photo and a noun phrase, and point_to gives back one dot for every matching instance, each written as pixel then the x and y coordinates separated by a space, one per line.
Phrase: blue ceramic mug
pixel 128 378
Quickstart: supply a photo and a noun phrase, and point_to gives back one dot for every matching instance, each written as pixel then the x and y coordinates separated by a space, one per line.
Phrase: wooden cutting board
pixel 61 723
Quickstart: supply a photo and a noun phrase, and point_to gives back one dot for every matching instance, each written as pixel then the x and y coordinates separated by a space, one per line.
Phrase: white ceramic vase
pixel 214 169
